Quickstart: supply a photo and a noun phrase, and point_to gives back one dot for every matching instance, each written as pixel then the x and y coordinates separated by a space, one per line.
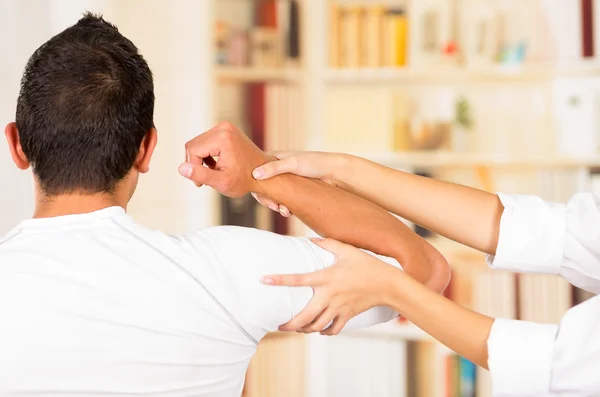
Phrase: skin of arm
pixel 464 331
pixel 463 214
pixel 329 211
pixel 359 281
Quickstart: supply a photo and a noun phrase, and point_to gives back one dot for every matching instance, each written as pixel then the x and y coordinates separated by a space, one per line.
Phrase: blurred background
pixel 502 95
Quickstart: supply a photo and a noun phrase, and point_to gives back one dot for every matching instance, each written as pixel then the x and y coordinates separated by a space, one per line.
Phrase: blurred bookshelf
pixel 451 159
pixel 499 95
pixel 455 75
pixel 242 75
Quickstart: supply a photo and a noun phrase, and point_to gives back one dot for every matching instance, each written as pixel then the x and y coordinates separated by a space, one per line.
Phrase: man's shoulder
pixel 11 235
pixel 228 232
pixel 236 240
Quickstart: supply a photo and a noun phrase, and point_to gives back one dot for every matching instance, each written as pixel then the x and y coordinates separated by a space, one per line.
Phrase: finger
pixel 284 211
pixel 269 170
pixel 199 174
pixel 306 316
pixel 294 280
pixel 335 247
pixel 205 145
pixel 210 162
pixel 202 150
pixel 266 202
pixel 336 327
pixel 321 322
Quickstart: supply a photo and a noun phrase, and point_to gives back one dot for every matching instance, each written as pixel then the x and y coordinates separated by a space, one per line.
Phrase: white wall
pixel 175 38
pixel 22 30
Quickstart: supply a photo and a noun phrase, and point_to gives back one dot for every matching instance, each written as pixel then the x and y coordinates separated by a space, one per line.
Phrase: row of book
pixel 434 371
pixel 461 32
pixel 373 36
pixel 264 33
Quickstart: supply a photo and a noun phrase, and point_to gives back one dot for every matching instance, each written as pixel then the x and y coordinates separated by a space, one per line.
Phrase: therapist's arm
pixel 521 233
pixel 524 358
pixel 463 214
pixel 329 211
pixel 357 278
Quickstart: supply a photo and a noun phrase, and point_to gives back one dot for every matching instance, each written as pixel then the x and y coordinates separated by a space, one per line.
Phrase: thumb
pixel 269 170
pixel 335 247
pixel 199 174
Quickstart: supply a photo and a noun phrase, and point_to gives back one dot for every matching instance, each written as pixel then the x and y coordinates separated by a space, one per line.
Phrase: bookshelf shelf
pixel 457 160
pixel 450 74
pixel 233 74
pixel 406 332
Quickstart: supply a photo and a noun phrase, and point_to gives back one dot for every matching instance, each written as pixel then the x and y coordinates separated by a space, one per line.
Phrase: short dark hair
pixel 85 105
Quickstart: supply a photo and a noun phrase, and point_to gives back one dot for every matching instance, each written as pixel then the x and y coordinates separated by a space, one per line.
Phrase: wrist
pixel 259 186
pixel 391 292
pixel 342 169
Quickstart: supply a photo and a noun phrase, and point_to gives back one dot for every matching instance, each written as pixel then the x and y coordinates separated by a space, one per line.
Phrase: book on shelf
pixel 367 36
pixel 267 34
pixel 462 33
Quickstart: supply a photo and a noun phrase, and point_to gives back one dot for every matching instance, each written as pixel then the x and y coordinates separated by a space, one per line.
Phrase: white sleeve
pixel 529 359
pixel 543 237
pixel 246 255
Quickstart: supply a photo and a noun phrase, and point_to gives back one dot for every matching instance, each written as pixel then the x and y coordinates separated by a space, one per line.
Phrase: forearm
pixel 463 214
pixel 462 330
pixel 335 213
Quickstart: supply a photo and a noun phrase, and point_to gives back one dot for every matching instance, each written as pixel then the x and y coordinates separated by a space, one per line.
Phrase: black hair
pixel 86 102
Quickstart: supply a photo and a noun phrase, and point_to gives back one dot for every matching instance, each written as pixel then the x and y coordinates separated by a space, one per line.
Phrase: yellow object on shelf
pixel 401 23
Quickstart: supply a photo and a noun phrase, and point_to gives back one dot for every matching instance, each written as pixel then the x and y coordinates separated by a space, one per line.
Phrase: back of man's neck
pixel 73 204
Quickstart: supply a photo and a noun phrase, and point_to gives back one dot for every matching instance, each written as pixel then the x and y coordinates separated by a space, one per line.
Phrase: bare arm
pixel 464 331
pixel 335 213
pixel 463 214
pixel 466 215
pixel 328 210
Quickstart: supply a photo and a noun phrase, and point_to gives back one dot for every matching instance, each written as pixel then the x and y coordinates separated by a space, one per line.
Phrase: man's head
pixel 84 117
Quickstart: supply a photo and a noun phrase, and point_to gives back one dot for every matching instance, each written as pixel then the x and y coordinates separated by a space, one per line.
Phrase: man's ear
pixel 142 163
pixel 14 144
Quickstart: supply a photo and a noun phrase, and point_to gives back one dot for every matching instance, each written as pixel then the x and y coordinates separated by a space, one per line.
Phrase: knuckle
pixel 226 184
pixel 226 125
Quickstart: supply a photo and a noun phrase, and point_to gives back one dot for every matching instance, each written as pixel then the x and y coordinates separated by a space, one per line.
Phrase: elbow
pixel 439 269
pixel 440 275
pixel 429 267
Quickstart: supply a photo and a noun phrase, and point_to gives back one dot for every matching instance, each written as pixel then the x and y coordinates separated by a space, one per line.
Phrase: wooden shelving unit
pixel 241 75
pixel 455 75
pixel 393 329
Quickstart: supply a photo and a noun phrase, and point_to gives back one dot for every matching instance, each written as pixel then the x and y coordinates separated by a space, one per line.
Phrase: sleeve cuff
pixel 532 235
pixel 520 357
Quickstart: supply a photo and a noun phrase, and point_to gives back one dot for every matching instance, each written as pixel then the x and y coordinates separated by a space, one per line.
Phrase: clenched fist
pixel 223 158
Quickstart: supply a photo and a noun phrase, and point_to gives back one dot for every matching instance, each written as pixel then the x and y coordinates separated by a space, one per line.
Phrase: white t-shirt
pixel 95 305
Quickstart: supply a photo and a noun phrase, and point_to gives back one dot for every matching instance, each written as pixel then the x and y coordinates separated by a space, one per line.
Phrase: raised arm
pixel 522 233
pixel 463 214
pixel 329 211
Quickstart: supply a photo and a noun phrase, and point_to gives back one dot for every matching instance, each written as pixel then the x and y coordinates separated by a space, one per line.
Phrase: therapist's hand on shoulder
pixel 315 165
pixel 356 283
pixel 237 157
